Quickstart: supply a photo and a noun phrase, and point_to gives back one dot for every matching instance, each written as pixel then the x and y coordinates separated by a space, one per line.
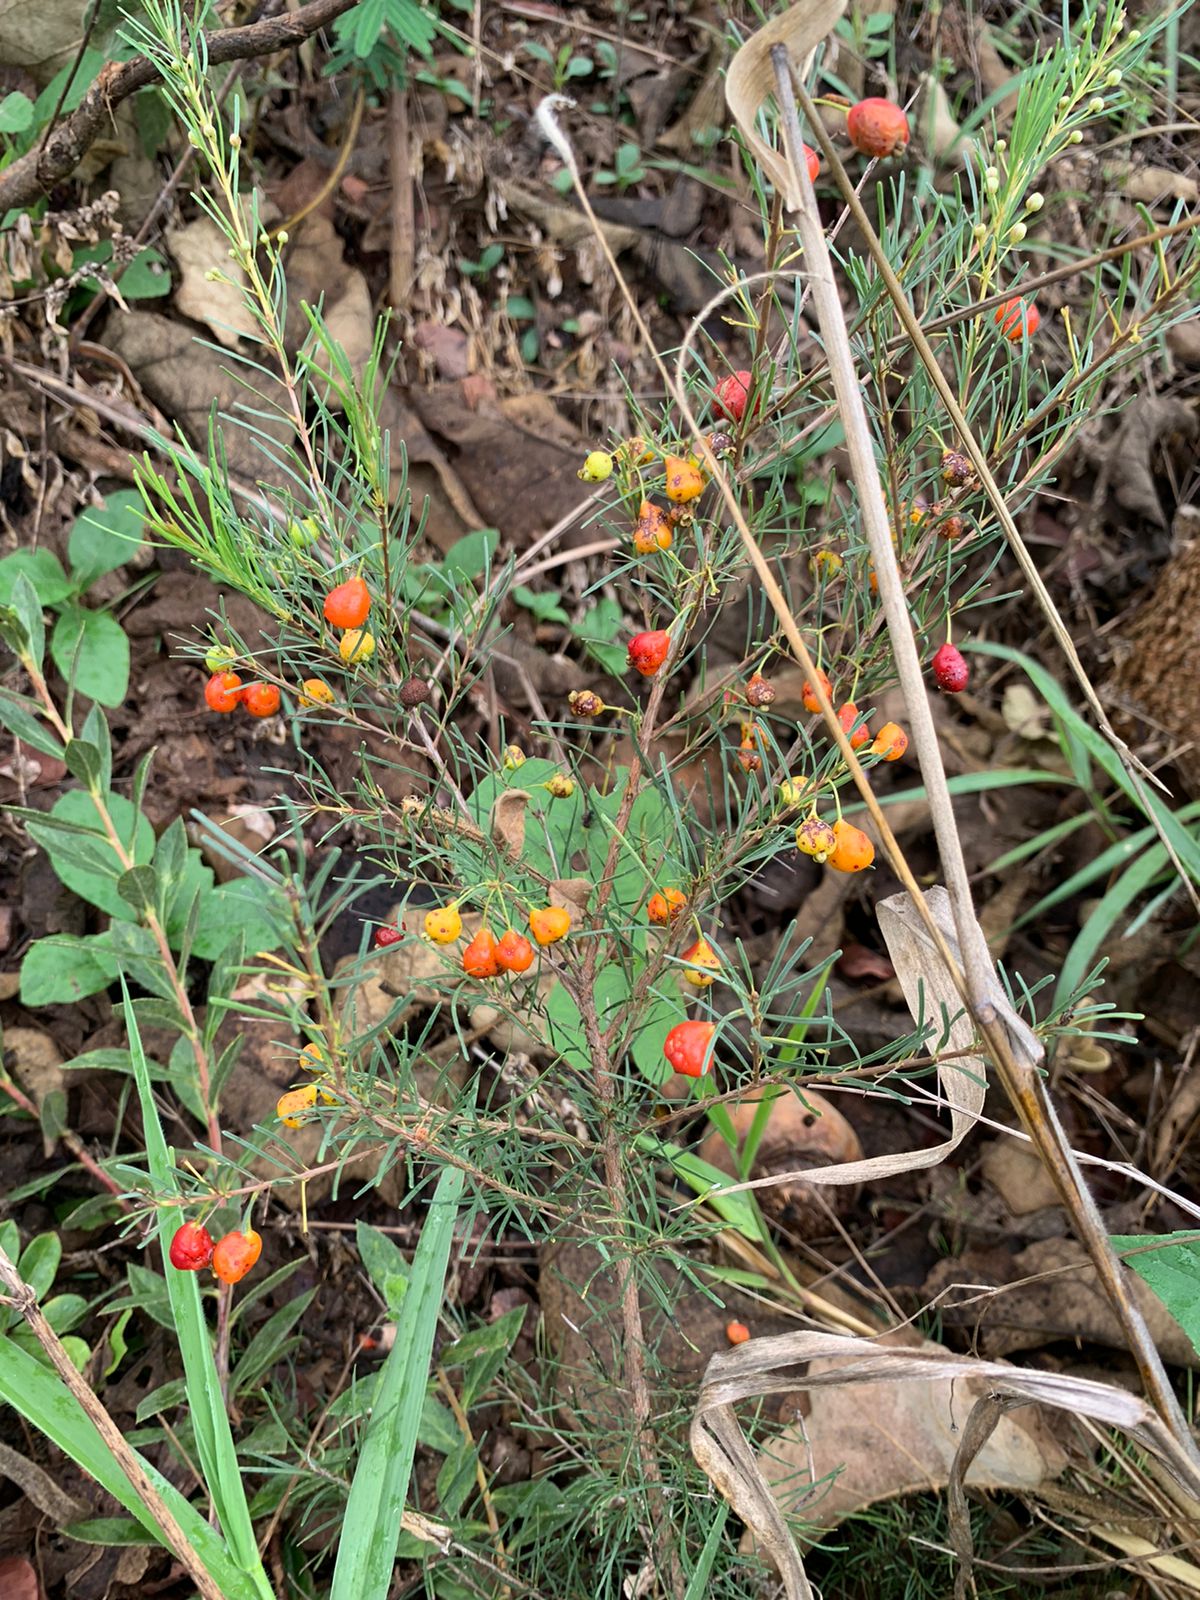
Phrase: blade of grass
pixel 39 1396
pixel 698 1582
pixel 1040 842
pixel 371 1525
pixel 206 1404
pixel 1165 822
pixel 1081 957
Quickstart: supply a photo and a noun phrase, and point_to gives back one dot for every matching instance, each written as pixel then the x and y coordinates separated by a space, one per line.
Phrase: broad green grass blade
pixel 1185 846
pixel 1042 841
pixel 973 783
pixel 371 1525
pixel 39 1395
pixel 214 1440
pixel 1081 957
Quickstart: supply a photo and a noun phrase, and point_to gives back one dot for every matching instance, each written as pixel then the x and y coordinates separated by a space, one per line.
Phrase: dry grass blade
pixel 768 1366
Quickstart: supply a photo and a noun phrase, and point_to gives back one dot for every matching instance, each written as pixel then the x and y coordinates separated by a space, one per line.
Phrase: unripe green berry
pixel 979 232
pixel 1075 137
pixel 1113 78
pixel 991 179
pixel 1035 201
pixel 1017 232
pixel 1095 106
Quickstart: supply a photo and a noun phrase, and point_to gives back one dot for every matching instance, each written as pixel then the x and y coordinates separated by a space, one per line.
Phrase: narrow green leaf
pixel 371 1524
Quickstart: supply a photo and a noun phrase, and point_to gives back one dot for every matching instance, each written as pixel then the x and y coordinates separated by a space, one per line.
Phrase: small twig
pixel 485 1493
pixel 403 243
pixel 173 1536
pixel 37 172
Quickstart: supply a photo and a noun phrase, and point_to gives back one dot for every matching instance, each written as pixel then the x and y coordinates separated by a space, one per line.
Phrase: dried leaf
pixel 769 1366
pixel 750 82
pixel 200 248
pixel 508 820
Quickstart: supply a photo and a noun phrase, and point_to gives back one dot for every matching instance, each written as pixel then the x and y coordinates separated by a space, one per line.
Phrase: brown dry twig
pixel 32 175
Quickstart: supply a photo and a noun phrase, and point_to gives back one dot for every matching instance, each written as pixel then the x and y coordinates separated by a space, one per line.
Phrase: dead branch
pixel 34 174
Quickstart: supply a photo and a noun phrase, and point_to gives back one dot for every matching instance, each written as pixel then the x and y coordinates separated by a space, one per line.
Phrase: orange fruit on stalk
pixel 514 953
pixel 261 699
pixel 549 924
pixel 853 851
pixel 235 1255
pixel 687 1048
pixel 877 127
pixel 479 958
pixel 811 703
pixel 1017 319
pixel 223 692
pixel 348 604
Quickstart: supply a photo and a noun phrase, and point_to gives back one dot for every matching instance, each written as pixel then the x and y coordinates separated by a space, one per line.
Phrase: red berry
pixel 732 393
pixel 348 604
pixel 1017 320
pixel 235 1254
pixel 261 699
pixel 479 958
pixel 514 953
pixel 387 933
pixel 222 692
pixel 950 670
pixel 648 651
pixel 686 1048
pixel 191 1248
pixel 813 162
pixel 877 127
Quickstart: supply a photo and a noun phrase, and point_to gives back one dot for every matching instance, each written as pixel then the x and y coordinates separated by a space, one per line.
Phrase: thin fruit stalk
pixel 1015 1051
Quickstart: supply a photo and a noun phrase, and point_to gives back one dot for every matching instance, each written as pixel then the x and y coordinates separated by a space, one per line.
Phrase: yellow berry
pixel 356 645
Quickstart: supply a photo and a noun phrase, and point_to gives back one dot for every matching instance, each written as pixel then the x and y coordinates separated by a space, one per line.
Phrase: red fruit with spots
pixel 877 127
pixel 514 953
pixel 648 651
pixel 191 1248
pixel 686 1048
pixel 950 671
pixel 732 393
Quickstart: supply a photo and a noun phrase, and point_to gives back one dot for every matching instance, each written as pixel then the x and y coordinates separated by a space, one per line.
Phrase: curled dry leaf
pixel 769 1366
pixel 200 248
pixel 508 820
pixel 751 80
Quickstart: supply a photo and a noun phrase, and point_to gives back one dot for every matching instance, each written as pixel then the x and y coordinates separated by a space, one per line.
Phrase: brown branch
pixel 35 174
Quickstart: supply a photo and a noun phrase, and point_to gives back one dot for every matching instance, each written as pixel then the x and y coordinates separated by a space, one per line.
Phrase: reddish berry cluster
pixel 224 692
pixel 231 1258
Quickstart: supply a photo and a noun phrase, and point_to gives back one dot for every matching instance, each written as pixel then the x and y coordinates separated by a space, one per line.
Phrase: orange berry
pixel 812 160
pixel 479 958
pixel 685 481
pixel 877 127
pixel 223 692
pixel 1017 320
pixel 652 530
pixel 848 716
pixel 665 907
pixel 261 699
pixel 890 742
pixel 316 692
pixel 737 1332
pixel 235 1255
pixel 549 924
pixel 348 604
pixel 809 698
pixel 514 953
pixel 853 851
